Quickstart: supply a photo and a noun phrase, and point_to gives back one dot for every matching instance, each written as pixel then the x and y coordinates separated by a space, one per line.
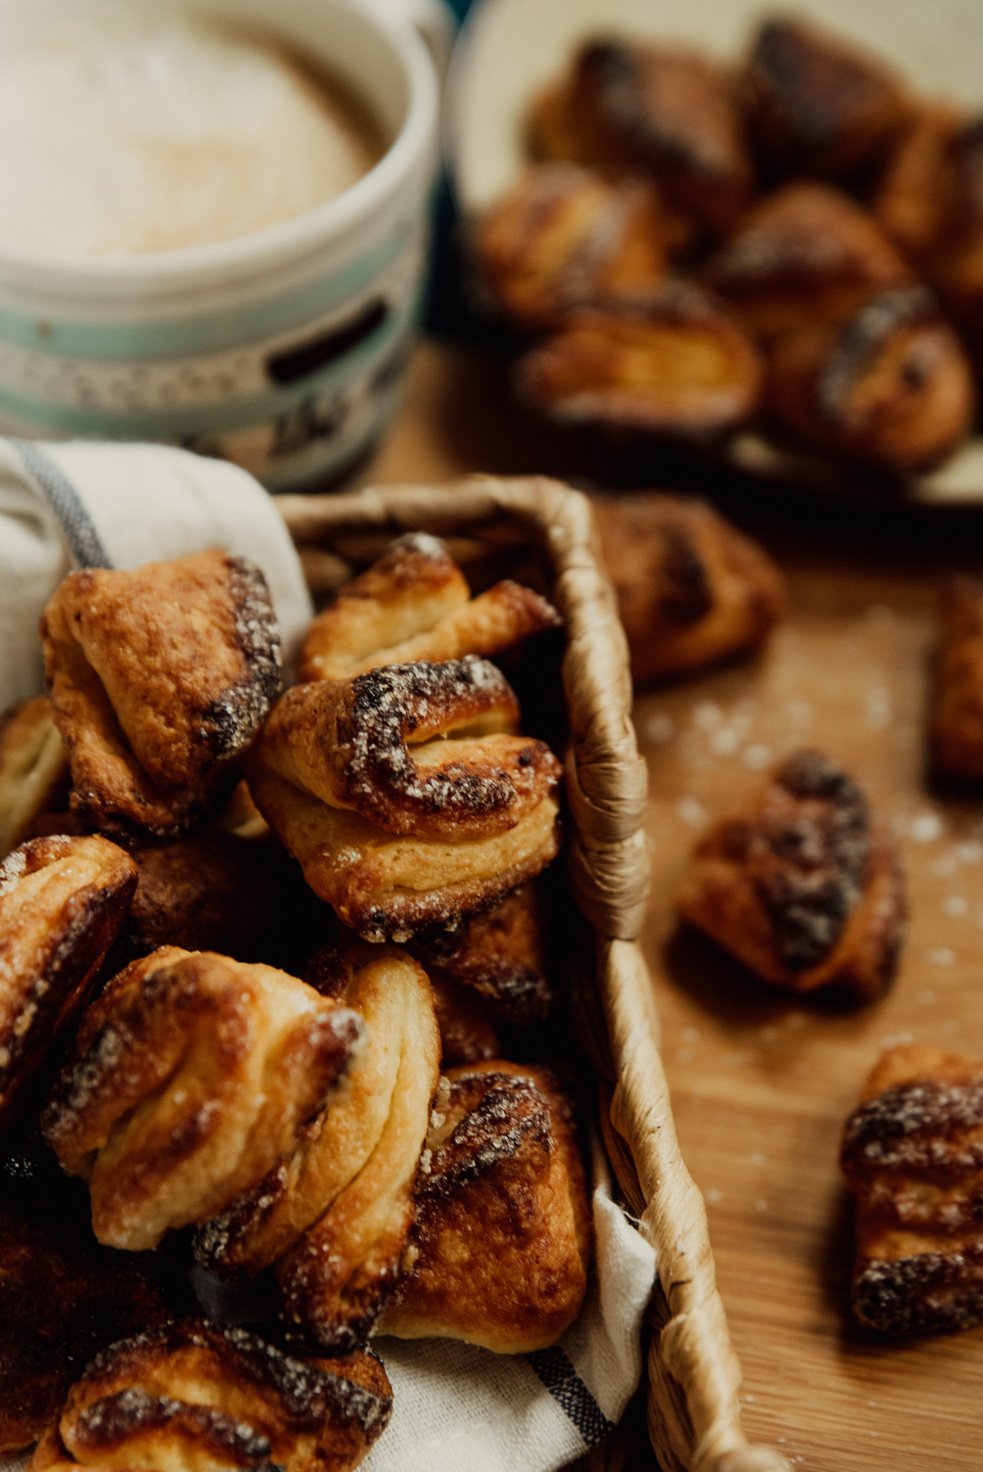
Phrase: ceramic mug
pixel 283 350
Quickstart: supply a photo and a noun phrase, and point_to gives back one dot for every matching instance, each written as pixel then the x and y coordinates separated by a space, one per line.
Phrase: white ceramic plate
pixel 509 49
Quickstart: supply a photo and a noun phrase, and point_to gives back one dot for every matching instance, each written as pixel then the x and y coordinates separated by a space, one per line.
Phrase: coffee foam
pixel 156 132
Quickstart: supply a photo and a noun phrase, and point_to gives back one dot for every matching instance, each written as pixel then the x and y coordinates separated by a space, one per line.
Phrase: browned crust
pixel 414 604
pixel 192 1074
pixel 889 386
pixel 673 113
pixel 499 1253
pixel 914 195
pixel 692 590
pixel 33 770
pixel 957 710
pixel 159 678
pixel 195 1390
pixel 912 1154
pixel 564 236
pixel 803 887
pixel 804 253
pixel 62 902
pixel 818 104
pixel 672 364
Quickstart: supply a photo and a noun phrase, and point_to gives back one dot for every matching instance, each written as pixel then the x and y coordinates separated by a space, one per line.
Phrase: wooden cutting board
pixel 762 1084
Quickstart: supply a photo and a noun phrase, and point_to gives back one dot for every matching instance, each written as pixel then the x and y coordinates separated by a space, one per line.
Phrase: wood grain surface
pixel 762 1084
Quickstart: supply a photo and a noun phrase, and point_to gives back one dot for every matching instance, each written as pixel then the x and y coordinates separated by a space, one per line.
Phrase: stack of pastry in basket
pixel 260 953
pixel 791 242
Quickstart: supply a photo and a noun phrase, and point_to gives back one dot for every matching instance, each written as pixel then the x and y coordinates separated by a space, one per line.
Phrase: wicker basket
pixel 693 1375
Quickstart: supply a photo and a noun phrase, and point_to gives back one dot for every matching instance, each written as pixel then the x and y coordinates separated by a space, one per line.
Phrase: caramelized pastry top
pixel 192 1074
pixel 414 604
pixel 912 1154
pixel 159 678
pixel 62 902
pixel 195 1395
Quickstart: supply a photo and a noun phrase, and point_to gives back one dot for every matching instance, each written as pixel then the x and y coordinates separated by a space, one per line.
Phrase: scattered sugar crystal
pixel 925 827
pixel 707 715
pixel 659 728
pixel 970 852
pixel 757 756
pixel 711 1195
pixel 758 1159
pixel 956 905
pixel 941 956
pixel 760 1204
pixel 690 810
pixel 879 708
pixel 799 713
pixel 690 1034
pixel 725 741
pixel 896 1040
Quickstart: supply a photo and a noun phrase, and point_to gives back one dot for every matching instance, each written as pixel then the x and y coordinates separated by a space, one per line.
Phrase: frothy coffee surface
pixel 160 132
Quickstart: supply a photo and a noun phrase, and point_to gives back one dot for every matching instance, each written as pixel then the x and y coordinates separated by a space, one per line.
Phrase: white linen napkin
pixel 457 1408
pixel 86 504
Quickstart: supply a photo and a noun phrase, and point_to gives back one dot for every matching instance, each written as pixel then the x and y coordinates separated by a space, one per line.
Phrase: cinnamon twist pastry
pixel 414 604
pixel 33 770
pixel 405 795
pixel 199 1397
pixel 502 1241
pixel 159 678
pixel 335 1212
pixel 913 1160
pixel 805 887
pixel 62 902
pixel 192 1075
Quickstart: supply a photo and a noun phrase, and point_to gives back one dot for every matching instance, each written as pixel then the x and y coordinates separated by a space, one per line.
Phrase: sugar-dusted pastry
pixel 159 679
pixel 414 603
pixel 805 253
pixel 692 590
pixel 803 885
pixel 62 1296
pixel 334 1213
pixel 818 103
pixel 672 364
pixel 913 195
pixel 672 113
pixel 502 954
pixel 33 770
pixel 405 793
pixel 889 386
pixel 564 236
pixel 911 1156
pixel 192 1075
pixel 62 902
pixel 500 1249
pixel 957 707
pixel 194 1396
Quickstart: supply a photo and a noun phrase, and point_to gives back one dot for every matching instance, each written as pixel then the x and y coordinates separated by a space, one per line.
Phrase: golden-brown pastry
pixel 818 104
pixel 564 236
pixel 191 1076
pixel 672 363
pixel 500 1250
pixel 62 902
pixel 914 194
pixel 889 387
pixel 562 128
pixel 804 254
pixel 670 112
pixel 159 678
pixel 503 954
pixel 201 1397
pixel 405 795
pixel 692 590
pixel 413 604
pixel 911 1156
pixel 335 1212
pixel 33 770
pixel 804 886
pixel 957 713
pixel 955 265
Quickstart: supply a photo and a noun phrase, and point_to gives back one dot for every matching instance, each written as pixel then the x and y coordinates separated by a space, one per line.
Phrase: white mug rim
pixel 196 265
